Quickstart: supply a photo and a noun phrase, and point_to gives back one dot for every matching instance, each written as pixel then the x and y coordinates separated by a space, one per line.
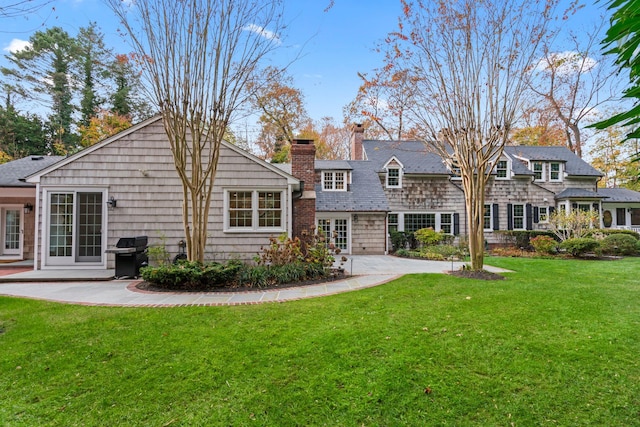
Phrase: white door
pixel 74 228
pixel 11 229
pixel 337 230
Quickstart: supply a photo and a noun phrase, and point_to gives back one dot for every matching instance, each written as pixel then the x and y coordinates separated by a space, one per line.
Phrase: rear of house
pixel 127 186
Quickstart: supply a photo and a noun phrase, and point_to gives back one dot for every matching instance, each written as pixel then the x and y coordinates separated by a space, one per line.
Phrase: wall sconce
pixel 355 217
pixel 28 208
pixel 112 202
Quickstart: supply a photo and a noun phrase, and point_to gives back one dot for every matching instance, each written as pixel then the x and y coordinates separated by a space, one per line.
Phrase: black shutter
pixel 509 216
pixel 596 207
pixel 536 215
pixel 456 224
pixel 529 213
pixel 552 209
pixel 574 206
pixel 496 217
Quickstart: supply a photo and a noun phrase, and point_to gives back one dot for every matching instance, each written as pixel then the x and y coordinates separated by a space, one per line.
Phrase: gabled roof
pixel 579 193
pixel 35 176
pixel 12 174
pixel 364 195
pixel 619 195
pixel 574 165
pixel 413 155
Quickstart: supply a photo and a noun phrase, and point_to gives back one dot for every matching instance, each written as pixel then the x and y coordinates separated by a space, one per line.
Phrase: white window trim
pixel 333 180
pixel 543 177
pixel 508 174
pixel 490 216
pixel 438 223
pixel 524 216
pixel 254 207
pixel 332 218
pixel 540 220
pixel 560 172
pixel 393 163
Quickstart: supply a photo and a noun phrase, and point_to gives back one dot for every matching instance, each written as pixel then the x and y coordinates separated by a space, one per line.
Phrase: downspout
pixel 295 195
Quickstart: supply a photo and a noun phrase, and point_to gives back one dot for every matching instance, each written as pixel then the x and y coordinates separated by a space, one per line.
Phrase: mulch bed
pixel 481 275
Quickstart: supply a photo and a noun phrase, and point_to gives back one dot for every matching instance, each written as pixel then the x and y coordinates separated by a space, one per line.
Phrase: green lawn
pixel 557 343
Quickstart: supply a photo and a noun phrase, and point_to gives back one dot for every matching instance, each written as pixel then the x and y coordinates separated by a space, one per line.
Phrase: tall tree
pixel 382 103
pixel 101 126
pixel 469 61
pixel 93 58
pixel 197 57
pixel 126 99
pixel 575 83
pixel 42 72
pixel 281 109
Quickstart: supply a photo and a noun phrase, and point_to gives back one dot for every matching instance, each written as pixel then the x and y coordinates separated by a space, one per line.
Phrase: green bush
pixel 521 238
pixel 428 236
pixel 619 244
pixel 580 245
pixel 544 244
pixel 604 232
pixel 403 253
pixel 438 252
pixel 189 275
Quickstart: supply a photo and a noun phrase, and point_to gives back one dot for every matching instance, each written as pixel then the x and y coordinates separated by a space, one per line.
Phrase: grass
pixel 555 344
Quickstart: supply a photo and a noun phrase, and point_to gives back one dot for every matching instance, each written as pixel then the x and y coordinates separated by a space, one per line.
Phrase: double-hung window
pixel 555 172
pixel 502 169
pixel 543 214
pixel 393 177
pixel 538 171
pixel 518 217
pixel 255 210
pixel 486 218
pixel 334 181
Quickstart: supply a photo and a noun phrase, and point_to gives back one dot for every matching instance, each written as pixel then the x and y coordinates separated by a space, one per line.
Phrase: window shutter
pixel 596 207
pixel 551 209
pixel 509 216
pixel 496 217
pixel 456 224
pixel 574 206
pixel 536 215
pixel 529 213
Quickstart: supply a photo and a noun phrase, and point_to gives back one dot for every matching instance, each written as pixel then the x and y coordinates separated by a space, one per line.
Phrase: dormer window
pixel 394 174
pixel 334 181
pixel 502 169
pixel 538 170
pixel 555 171
pixel 393 177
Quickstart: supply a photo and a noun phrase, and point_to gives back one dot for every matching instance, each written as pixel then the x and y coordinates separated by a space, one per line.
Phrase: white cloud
pixel 567 62
pixel 270 35
pixel 17 45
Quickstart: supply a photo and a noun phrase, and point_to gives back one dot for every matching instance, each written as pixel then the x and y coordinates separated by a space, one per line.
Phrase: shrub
pixel 403 253
pixel 428 236
pixel 442 252
pixel 580 245
pixel 521 238
pixel 619 244
pixel 189 275
pixel 544 244
pixel 604 232
pixel 402 240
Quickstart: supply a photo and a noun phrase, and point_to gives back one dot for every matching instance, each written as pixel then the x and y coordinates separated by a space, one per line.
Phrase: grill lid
pixel 132 242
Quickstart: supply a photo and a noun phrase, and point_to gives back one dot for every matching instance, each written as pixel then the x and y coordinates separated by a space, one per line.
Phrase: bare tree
pixel 470 61
pixel 575 83
pixel 197 57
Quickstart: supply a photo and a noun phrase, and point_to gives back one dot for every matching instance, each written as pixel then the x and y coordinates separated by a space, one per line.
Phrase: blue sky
pixel 334 44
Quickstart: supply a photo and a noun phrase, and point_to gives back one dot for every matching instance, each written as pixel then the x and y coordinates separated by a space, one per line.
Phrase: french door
pixel 11 231
pixel 75 228
pixel 337 231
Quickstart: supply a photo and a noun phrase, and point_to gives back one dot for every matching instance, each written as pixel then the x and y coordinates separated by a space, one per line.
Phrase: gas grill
pixel 131 254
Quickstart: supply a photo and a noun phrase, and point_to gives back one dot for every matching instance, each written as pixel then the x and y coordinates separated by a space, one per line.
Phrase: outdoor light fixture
pixel 112 202
pixel 28 208
pixel 355 217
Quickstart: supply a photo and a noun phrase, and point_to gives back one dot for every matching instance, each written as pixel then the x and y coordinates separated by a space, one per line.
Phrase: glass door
pixel 89 240
pixel 337 231
pixel 11 228
pixel 75 228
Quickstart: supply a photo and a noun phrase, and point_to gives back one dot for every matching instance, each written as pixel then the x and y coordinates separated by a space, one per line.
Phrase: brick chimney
pixel 357 134
pixel 303 155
